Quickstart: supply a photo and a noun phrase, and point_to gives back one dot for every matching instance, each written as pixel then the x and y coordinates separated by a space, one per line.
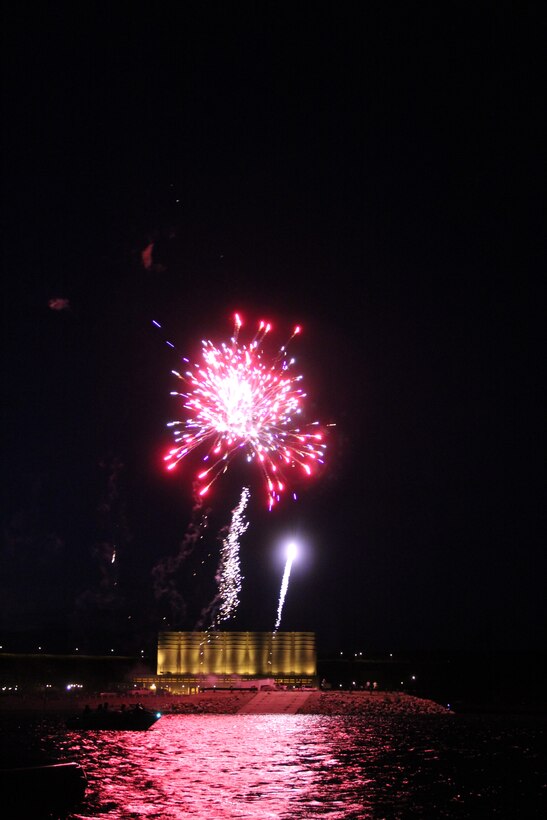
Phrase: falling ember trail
pixel 229 579
pixel 291 553
pixel 238 400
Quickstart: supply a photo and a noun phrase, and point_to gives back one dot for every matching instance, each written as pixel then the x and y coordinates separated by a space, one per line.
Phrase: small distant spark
pixel 59 304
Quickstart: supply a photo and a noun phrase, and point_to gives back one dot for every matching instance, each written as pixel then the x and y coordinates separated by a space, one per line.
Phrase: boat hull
pixel 41 791
pixel 133 720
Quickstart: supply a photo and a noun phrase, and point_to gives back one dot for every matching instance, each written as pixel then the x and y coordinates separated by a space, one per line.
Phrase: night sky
pixel 374 176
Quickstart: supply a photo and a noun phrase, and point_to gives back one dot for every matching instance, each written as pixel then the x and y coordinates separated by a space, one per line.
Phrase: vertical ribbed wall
pixel 236 653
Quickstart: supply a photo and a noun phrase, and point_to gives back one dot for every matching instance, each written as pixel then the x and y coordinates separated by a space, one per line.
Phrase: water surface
pixel 277 767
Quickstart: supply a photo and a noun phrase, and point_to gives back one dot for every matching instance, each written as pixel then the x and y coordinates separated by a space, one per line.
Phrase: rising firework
pixel 240 401
pixel 291 554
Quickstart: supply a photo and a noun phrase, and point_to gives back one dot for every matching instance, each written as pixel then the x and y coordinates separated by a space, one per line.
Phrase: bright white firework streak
pixel 291 553
pixel 229 582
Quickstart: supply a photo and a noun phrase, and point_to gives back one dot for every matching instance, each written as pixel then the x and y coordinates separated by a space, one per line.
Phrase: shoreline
pixel 226 702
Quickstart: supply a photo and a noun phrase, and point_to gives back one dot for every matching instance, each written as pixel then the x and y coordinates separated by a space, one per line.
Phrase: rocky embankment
pixel 226 703
pixel 358 703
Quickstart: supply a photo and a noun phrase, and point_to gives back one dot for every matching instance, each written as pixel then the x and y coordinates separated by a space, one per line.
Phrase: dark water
pixel 271 767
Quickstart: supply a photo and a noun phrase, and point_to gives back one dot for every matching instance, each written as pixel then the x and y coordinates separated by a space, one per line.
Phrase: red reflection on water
pixel 296 767
pixel 261 767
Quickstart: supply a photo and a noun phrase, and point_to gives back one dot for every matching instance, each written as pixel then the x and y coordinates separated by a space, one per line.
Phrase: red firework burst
pixel 240 402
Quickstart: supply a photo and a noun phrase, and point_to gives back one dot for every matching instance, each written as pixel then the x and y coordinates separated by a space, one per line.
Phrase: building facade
pixel 190 660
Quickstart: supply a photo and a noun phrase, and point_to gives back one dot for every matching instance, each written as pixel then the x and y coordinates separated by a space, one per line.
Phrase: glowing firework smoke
pixel 239 400
pixel 291 554
pixel 229 582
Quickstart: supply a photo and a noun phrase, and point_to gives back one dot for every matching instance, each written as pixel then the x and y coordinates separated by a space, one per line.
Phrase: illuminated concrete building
pixel 187 660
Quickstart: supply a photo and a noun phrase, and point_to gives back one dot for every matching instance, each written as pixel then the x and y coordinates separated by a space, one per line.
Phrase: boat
pixel 42 791
pixel 135 719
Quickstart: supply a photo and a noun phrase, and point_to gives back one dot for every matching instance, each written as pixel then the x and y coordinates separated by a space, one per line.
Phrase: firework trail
pixel 240 401
pixel 229 578
pixel 165 574
pixel 291 554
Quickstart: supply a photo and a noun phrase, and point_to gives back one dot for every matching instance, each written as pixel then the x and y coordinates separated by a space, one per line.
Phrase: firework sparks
pixel 239 400
pixel 291 554
pixel 229 581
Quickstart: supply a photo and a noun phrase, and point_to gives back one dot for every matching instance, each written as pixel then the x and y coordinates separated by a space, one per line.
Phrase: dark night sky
pixel 373 176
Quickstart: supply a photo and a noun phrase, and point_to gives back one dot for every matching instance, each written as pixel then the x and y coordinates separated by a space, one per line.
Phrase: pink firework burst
pixel 239 401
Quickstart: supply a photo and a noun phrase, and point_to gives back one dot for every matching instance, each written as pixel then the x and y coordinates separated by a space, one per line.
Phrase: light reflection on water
pixel 292 767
